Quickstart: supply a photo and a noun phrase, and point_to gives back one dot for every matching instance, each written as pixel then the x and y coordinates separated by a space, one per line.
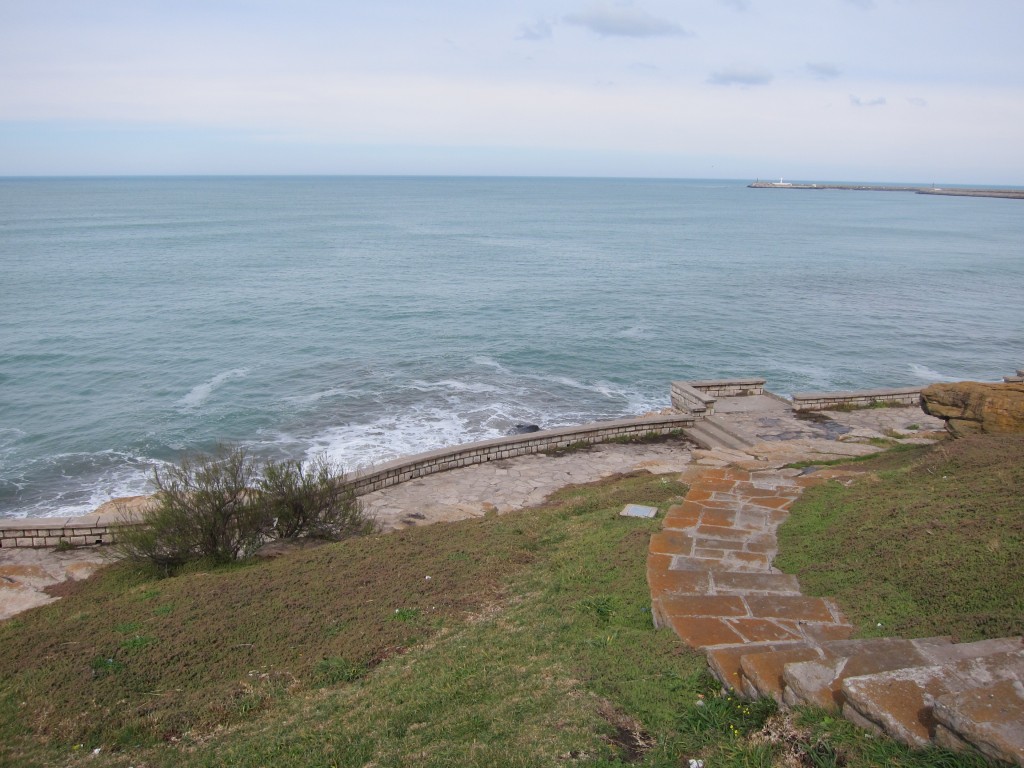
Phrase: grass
pixel 531 644
pixel 928 541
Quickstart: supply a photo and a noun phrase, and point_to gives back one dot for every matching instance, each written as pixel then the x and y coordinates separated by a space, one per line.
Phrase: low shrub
pixel 310 500
pixel 221 507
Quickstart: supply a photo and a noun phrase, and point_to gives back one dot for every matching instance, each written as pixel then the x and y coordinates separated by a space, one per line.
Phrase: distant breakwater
pixel 1013 194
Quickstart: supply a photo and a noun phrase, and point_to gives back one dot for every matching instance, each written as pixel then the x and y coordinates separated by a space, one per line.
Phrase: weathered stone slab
pixel 989 718
pixel 665 583
pixel 703 605
pixel 671 543
pixel 900 701
pixel 757 583
pixel 766 630
pixel 725 662
pixel 969 407
pixel 820 682
pixel 704 632
pixel 638 510
pixel 762 671
pixel 791 607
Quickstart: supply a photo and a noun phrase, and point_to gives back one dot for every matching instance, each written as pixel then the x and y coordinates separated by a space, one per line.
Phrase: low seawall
pixel 101 528
pixel 864 398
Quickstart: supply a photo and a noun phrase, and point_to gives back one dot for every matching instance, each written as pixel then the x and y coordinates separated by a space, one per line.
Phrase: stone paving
pixel 511 484
pixel 712 581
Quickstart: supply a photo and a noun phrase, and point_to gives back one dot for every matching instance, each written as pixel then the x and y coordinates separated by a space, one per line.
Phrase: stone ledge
pixel 33 532
pixel 823 401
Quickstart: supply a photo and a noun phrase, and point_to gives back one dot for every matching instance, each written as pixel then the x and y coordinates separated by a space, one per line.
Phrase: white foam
pixel 453 385
pixel 927 374
pixel 199 393
pixel 316 396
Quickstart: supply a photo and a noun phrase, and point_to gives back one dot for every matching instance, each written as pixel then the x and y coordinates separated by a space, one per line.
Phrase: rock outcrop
pixel 971 408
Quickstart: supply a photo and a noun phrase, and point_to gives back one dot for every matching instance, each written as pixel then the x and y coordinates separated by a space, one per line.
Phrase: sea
pixel 367 318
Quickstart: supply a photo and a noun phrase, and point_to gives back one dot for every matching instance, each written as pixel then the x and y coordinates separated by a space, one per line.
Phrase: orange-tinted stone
pixel 764 670
pixel 772 583
pixel 678 523
pixel 704 605
pixel 821 633
pixel 722 517
pixel 665 582
pixel 671 543
pixel 704 632
pixel 792 607
pixel 656 562
pixel 750 559
pixel 725 661
pixel 722 532
pixel 762 630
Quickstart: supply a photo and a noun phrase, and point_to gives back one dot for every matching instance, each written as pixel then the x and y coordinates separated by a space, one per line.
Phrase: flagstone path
pixel 712 581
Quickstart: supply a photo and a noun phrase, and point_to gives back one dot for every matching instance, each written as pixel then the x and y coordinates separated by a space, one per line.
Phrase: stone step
pixel 900 702
pixel 818 682
pixel 710 435
pixel 726 662
pixel 989 718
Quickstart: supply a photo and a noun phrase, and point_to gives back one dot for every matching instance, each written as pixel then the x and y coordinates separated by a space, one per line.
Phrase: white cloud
pixel 917 101
pixel 857 101
pixel 623 21
pixel 740 76
pixel 739 5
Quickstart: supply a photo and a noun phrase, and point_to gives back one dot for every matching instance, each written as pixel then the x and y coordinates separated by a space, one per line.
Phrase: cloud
pixel 857 101
pixel 822 70
pixel 539 30
pixel 917 101
pixel 736 76
pixel 865 4
pixel 624 21
pixel 739 5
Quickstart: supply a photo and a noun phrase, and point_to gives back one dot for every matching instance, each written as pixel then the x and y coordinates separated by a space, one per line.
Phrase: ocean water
pixel 368 318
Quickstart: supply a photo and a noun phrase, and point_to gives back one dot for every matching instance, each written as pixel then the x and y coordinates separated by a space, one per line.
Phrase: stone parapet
pixel 51 532
pixel 420 465
pixel 690 400
pixel 729 387
pixel 866 398
pixel 100 529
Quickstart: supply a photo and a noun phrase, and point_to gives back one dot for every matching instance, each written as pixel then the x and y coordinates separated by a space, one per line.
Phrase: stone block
pixel 704 632
pixel 671 543
pixel 757 583
pixel 900 701
pixel 990 718
pixel 789 607
pixel 766 631
pixel 666 582
pixel 704 605
pixel 763 670
pixel 725 663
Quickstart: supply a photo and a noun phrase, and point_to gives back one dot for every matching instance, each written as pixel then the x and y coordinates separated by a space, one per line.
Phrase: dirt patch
pixel 629 737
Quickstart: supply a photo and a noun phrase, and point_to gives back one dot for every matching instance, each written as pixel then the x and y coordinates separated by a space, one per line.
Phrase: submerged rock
pixel 523 429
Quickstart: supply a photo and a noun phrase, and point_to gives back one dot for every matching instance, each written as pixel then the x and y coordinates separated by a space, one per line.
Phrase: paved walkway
pixel 711 579
pixel 510 484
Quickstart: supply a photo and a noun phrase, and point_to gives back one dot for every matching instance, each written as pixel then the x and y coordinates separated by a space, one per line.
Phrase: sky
pixel 925 91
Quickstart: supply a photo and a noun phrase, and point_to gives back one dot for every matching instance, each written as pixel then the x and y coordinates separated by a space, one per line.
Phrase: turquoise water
pixel 374 317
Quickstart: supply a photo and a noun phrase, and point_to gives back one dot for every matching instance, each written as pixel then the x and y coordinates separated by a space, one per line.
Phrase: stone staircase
pixel 712 432
pixel 712 582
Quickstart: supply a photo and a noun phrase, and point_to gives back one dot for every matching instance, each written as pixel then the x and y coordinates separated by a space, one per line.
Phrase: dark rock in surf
pixel 523 429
